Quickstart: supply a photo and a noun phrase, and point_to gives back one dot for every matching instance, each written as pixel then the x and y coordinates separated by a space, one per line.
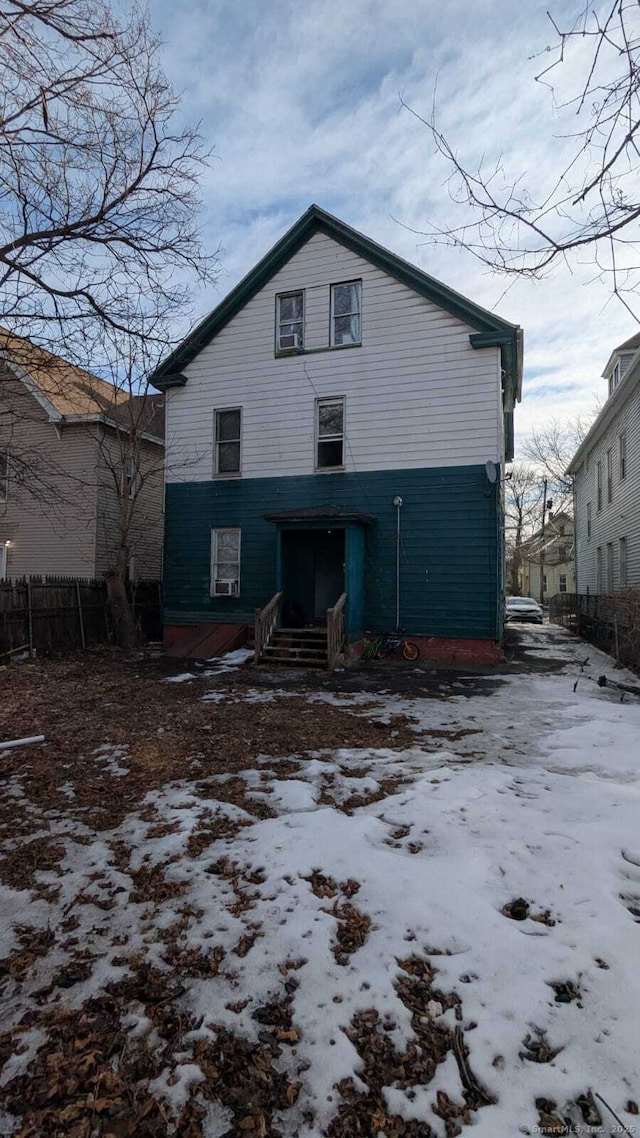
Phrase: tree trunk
pixel 122 616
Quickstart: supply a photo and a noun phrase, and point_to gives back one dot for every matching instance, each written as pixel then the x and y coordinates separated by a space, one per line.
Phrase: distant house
pixel 68 458
pixel 606 472
pixel 337 430
pixel 552 555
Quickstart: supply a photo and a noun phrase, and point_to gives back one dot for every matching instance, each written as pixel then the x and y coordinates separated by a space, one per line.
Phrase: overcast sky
pixel 301 102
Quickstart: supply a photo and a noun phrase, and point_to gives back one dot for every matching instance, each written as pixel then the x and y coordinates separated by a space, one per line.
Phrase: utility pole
pixel 544 514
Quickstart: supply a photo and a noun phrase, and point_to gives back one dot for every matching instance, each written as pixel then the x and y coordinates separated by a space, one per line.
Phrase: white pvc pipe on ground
pixel 21 742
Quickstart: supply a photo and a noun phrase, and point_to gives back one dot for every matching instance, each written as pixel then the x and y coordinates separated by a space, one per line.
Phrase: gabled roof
pixel 69 393
pixel 616 400
pixel 632 344
pixel 491 330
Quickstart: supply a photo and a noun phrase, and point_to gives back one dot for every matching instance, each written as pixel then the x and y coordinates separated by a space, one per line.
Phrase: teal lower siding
pixel 450 553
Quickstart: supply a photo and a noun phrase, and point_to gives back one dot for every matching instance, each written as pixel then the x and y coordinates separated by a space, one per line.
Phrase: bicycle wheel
pixel 410 651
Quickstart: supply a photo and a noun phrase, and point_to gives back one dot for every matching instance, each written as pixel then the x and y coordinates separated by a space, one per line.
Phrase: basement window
pixel 225 562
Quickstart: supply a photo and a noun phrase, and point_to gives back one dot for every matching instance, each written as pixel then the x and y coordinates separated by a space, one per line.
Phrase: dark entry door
pixel 312 572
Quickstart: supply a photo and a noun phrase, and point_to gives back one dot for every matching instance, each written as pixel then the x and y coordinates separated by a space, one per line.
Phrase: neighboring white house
pixel 606 472
pixel 551 552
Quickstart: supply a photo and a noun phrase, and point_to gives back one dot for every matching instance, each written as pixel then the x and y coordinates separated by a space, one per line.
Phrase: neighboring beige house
pixel 78 457
pixel 554 554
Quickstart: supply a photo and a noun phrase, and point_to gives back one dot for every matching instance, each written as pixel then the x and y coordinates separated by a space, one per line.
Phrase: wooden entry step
pixel 302 646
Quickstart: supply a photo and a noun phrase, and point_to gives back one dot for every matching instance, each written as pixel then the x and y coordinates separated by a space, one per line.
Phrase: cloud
pixel 302 103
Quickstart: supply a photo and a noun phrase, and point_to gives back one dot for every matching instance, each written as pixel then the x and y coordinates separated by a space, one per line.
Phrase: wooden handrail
pixel 266 620
pixel 335 630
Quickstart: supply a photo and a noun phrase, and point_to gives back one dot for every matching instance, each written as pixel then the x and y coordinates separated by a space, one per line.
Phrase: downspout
pixel 397 501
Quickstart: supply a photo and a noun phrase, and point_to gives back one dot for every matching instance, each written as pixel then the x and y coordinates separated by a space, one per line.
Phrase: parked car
pixel 523 608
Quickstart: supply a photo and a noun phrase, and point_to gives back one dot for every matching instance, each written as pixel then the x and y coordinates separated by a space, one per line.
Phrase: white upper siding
pixel 618 518
pixel 416 393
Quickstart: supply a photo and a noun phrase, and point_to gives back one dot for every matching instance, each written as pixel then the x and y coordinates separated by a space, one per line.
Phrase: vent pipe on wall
pixel 397 501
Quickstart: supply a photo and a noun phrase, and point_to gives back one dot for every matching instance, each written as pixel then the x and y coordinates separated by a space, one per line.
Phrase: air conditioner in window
pixel 290 343
pixel 226 588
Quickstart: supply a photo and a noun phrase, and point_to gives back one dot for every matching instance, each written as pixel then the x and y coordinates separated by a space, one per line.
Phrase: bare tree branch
pixel 99 193
pixel 512 225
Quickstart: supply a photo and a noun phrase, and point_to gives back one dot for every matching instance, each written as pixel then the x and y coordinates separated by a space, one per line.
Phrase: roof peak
pixel 314 219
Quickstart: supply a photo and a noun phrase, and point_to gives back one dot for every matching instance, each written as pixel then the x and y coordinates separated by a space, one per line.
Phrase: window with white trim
pixel 290 321
pixel 599 569
pixel 614 378
pixel 228 435
pixel 4 476
pixel 609 566
pixel 130 479
pixel 622 455
pixel 599 486
pixel 225 562
pixel 330 433
pixel 588 521
pixel 622 568
pixel 562 586
pixel 345 313
pixel 609 475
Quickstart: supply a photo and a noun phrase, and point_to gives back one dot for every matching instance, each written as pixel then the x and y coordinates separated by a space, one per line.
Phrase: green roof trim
pixel 499 333
pixel 170 380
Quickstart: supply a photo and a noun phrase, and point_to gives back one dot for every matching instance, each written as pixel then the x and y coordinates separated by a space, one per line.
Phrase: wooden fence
pixel 611 621
pixel 60 614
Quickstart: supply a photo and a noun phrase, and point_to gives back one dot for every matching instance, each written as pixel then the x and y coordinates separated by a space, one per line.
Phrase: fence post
pixel 80 616
pixel 30 617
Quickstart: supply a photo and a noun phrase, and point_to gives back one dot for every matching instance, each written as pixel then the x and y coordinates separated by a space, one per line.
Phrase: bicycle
pixel 387 643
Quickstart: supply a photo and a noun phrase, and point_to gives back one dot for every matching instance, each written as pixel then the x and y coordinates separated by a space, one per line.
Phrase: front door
pixel 312 574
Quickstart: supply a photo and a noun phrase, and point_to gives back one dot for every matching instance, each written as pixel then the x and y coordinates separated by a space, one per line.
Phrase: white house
pixel 336 432
pixel 606 472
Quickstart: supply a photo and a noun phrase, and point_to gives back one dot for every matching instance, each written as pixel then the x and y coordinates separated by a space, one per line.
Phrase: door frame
pixel 354 565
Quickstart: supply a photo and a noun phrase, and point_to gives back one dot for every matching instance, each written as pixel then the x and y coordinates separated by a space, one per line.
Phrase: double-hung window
pixel 228 432
pixel 622 455
pixel 4 476
pixel 622 568
pixel 588 521
pixel 345 313
pixel 562 586
pixel 609 566
pixel 609 475
pixel 225 562
pixel 130 479
pixel 329 433
pixel 599 486
pixel 290 321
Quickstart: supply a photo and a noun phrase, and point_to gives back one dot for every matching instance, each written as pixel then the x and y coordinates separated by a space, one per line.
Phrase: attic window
pixel 290 321
pixel 345 313
pixel 614 378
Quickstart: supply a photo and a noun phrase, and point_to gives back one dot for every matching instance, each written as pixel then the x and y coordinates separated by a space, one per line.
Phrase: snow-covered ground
pixel 370 867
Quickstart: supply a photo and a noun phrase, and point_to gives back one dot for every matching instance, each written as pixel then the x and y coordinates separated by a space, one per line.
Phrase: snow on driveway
pixel 388 942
